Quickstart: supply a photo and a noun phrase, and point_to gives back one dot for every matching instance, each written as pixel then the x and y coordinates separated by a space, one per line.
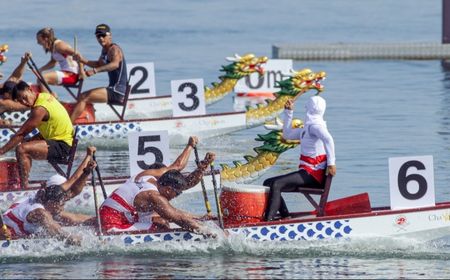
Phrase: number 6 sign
pixel 146 148
pixel 411 181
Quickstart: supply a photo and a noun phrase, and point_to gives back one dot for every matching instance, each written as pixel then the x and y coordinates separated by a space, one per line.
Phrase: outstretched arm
pixel 17 74
pixel 171 214
pixel 43 218
pixel 37 116
pixel 179 164
pixel 77 181
pixel 195 176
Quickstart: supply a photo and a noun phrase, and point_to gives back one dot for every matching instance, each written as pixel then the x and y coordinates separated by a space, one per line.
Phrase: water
pixel 376 110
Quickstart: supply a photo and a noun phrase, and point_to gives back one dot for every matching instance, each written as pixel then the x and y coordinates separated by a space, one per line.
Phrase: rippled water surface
pixel 376 110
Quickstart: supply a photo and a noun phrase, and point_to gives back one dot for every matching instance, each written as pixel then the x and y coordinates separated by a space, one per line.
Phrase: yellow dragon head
pixel 301 81
pixel 242 66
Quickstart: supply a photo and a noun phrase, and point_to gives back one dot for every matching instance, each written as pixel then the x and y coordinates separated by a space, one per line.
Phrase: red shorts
pixel 113 220
pixel 66 78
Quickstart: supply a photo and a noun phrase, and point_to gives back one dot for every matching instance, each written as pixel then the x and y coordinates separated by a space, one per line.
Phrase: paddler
pixel 317 154
pixel 43 214
pixel 52 121
pixel 132 206
pixel 112 61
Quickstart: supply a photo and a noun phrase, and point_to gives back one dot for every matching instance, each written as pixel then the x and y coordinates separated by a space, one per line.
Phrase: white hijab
pixel 315 109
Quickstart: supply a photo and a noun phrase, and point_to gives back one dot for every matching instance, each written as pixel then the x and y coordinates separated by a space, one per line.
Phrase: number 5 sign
pixel 146 148
pixel 411 181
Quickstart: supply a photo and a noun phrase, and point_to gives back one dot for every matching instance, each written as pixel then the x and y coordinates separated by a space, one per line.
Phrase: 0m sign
pixel 411 182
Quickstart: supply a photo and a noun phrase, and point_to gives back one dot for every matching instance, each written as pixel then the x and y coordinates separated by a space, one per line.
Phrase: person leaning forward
pixel 43 214
pixel 111 60
pixel 55 130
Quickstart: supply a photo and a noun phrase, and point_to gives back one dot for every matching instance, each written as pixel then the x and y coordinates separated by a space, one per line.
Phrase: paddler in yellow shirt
pixel 55 130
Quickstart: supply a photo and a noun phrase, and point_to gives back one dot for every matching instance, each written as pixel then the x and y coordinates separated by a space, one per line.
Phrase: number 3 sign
pixel 146 148
pixel 411 182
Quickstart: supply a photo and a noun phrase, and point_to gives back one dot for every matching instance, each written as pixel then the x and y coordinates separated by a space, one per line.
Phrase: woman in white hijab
pixel 316 155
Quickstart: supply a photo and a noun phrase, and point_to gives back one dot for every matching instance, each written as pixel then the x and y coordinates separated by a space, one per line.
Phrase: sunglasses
pixel 101 36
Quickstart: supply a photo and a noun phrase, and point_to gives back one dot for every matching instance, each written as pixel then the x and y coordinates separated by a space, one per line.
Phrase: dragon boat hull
pixel 84 201
pixel 180 128
pixel 419 224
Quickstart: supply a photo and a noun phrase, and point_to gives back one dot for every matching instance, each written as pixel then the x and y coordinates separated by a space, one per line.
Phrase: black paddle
pixel 205 195
pixel 96 202
pixel 38 74
pixel 100 180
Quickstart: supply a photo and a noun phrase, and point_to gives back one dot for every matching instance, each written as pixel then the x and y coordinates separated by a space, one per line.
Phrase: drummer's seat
pixel 68 160
pixel 78 86
pixel 307 192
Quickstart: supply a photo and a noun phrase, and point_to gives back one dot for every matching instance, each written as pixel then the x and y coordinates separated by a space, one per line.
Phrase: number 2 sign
pixel 142 79
pixel 411 181
pixel 146 148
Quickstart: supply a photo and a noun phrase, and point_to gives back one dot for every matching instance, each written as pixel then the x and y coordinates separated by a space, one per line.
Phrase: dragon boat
pixel 161 106
pixel 204 126
pixel 342 219
pixel 255 166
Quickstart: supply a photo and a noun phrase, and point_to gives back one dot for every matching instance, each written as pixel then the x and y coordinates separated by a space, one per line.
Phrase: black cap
pixel 102 29
pixel 8 87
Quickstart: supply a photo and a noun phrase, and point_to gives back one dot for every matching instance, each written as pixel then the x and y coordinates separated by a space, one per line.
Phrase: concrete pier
pixel 356 51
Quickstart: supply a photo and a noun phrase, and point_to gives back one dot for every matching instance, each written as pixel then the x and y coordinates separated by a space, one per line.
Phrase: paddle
pixel 100 180
pixel 205 195
pixel 216 195
pixel 96 202
pixel 38 74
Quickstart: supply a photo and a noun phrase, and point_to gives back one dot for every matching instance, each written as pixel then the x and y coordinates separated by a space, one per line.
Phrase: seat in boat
pixel 68 160
pixel 307 192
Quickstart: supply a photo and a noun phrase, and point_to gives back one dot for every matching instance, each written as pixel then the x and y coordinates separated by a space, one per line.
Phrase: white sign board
pixel 188 97
pixel 146 148
pixel 142 79
pixel 411 182
pixel 273 72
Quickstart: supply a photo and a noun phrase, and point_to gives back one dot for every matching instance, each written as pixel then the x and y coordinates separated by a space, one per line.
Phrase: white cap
pixel 56 180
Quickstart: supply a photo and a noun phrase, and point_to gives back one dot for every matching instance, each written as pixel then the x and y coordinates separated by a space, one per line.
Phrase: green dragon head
pixel 243 66
pixel 300 82
pixel 274 141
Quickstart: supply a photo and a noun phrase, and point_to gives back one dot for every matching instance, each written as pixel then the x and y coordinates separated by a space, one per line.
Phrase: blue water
pixel 376 110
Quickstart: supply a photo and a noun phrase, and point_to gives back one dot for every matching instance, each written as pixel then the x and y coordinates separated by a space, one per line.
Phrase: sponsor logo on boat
pixel 401 222
pixel 442 217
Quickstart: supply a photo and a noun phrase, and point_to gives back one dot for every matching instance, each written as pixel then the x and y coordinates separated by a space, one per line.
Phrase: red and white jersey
pixel 118 210
pixel 66 63
pixel 317 144
pixel 15 218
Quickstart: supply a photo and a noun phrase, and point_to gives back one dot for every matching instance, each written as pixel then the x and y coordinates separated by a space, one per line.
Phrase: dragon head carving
pixel 243 66
pixel 301 81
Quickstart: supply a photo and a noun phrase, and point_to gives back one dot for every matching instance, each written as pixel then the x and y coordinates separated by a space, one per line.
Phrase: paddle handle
pixel 216 195
pixel 38 74
pixel 202 182
pixel 100 180
pixel 97 213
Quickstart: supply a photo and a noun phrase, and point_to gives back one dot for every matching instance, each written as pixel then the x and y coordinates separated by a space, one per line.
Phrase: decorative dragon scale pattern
pixel 287 232
pixel 266 155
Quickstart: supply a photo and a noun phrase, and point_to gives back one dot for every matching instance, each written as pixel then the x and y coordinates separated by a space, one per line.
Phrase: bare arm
pixel 43 218
pixel 64 48
pixel 72 219
pixel 115 56
pixel 171 214
pixel 179 164
pixel 77 181
pixel 17 74
pixel 194 177
pixel 50 65
pixel 38 114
